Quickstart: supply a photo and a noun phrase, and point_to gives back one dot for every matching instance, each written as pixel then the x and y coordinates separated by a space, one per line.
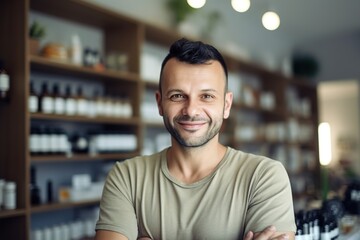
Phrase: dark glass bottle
pixel 80 144
pixel 34 188
pixel 59 101
pixel 33 99
pixel 46 100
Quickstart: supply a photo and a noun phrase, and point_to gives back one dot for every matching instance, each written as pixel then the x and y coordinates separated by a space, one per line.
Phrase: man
pixel 197 188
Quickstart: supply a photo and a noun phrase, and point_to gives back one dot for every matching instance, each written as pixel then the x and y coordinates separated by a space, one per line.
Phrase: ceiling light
pixel 240 5
pixel 196 3
pixel 271 20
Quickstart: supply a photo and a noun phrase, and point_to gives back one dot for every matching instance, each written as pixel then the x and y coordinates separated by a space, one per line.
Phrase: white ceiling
pixel 302 21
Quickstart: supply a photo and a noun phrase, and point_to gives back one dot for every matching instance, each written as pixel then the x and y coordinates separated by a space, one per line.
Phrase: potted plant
pixel 36 32
pixel 180 10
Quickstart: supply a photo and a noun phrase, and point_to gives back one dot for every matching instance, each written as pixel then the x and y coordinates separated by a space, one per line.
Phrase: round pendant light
pixel 271 20
pixel 196 3
pixel 240 5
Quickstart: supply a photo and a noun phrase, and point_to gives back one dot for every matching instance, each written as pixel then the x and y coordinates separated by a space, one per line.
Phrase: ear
pixel 158 101
pixel 228 103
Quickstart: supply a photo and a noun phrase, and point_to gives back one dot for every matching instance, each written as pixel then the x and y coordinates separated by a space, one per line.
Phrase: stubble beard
pixel 213 129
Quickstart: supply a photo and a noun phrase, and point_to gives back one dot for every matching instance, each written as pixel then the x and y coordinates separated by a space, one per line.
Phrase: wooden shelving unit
pixel 82 157
pixel 60 206
pixel 122 34
pixel 99 120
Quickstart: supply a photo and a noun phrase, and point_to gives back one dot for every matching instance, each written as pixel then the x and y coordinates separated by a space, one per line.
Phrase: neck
pixel 191 164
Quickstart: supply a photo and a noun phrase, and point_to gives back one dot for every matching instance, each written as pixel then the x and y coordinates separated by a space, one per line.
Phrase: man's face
pixel 193 102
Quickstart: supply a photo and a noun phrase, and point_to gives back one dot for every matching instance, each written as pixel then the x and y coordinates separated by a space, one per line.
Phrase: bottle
pixel 35 144
pixel 80 143
pixel 49 191
pixel 34 188
pixel 100 105
pixel 4 84
pixel 44 141
pixel 46 100
pixel 81 103
pixel 76 50
pixel 310 219
pixel 53 141
pixel 325 227
pixel 109 106
pixel 298 234
pixel 91 110
pixel 70 103
pixel 10 195
pixel 63 142
pixel 316 231
pixel 128 111
pixel 118 107
pixel 59 101
pixel 33 100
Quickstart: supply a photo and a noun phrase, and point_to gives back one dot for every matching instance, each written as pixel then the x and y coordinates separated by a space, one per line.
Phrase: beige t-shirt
pixel 245 192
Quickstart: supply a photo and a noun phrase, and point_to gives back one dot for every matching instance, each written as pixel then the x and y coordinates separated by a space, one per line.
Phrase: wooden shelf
pixel 153 124
pixel 151 84
pixel 64 68
pixel 12 213
pixel 98 120
pixel 60 206
pixel 82 157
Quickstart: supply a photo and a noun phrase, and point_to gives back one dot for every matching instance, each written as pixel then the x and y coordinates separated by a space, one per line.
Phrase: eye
pixel 208 97
pixel 177 97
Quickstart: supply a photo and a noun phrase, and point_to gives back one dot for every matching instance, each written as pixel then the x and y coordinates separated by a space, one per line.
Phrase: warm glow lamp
pixel 271 20
pixel 240 5
pixel 196 3
pixel 325 155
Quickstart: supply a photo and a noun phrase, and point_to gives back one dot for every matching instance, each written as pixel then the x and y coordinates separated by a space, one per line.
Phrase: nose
pixel 191 108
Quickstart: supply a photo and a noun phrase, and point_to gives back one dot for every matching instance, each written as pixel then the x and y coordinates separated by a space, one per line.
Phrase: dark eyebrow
pixel 172 91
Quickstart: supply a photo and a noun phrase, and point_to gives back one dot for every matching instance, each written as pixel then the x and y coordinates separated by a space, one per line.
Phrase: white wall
pixel 339 56
pixel 339 105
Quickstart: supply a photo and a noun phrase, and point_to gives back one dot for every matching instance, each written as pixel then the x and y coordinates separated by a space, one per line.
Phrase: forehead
pixel 177 73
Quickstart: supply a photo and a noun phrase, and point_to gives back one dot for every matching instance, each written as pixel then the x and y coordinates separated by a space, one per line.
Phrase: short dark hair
pixel 193 52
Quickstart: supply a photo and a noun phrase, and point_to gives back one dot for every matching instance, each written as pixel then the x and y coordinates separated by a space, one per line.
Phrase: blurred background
pixel 77 84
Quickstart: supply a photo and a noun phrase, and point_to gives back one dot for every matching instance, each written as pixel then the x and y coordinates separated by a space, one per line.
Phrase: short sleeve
pixel 270 199
pixel 116 206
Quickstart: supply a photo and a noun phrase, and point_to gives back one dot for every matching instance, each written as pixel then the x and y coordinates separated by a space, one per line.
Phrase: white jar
pixel 10 195
pixel 37 234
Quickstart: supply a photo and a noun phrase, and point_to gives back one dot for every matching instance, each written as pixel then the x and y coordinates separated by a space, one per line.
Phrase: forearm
pixel 109 235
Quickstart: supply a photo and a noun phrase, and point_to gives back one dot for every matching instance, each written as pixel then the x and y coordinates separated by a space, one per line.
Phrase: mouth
pixel 191 126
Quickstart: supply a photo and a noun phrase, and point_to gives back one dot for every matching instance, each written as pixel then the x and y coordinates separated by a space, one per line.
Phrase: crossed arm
pixel 268 233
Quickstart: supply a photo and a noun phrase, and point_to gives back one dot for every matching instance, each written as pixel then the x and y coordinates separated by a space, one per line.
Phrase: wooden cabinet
pixel 126 35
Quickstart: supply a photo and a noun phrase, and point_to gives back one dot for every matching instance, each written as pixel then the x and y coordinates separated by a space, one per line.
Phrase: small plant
pixel 180 10
pixel 37 31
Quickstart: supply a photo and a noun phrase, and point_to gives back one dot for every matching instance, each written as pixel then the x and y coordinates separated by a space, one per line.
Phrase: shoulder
pixel 137 165
pixel 133 170
pixel 254 168
pixel 252 161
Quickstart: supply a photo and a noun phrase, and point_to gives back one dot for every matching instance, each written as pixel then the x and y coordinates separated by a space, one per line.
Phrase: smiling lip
pixel 191 125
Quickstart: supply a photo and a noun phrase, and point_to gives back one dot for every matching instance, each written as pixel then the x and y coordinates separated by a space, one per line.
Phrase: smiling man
pixel 197 188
